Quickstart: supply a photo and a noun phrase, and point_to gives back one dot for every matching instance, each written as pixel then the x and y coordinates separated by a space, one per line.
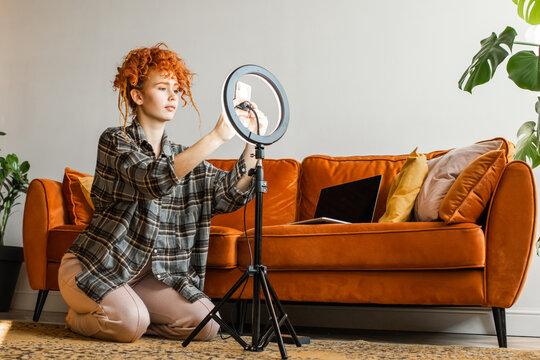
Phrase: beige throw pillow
pixel 442 173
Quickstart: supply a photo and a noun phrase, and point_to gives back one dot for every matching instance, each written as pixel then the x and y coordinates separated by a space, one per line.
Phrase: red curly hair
pixel 134 72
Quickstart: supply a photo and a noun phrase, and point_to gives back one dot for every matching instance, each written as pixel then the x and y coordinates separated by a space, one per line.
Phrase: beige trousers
pixel 144 305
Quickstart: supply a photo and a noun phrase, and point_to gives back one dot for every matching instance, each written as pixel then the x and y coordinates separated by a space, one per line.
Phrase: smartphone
pixel 242 91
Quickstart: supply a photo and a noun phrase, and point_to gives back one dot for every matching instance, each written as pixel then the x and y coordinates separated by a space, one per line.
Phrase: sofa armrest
pixel 510 234
pixel 44 209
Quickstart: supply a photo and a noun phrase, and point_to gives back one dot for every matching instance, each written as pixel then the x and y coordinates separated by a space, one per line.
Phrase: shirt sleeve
pixel 142 177
pixel 226 196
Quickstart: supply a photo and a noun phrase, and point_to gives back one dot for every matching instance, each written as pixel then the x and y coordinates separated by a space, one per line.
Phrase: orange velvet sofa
pixel 410 263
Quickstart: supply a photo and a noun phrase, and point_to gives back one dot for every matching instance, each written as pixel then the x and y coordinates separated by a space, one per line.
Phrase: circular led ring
pixel 228 105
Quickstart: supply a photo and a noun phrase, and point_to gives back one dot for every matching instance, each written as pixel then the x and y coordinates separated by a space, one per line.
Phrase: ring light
pixel 228 94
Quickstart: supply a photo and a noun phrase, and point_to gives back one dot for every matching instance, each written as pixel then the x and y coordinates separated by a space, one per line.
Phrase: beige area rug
pixel 25 340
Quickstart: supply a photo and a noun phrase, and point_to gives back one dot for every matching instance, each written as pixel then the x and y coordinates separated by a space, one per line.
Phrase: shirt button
pixel 155 251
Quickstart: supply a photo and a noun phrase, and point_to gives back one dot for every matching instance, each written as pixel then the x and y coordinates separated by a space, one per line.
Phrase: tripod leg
pixel 280 308
pixel 268 332
pixel 272 314
pixel 241 310
pixel 231 331
pixel 214 311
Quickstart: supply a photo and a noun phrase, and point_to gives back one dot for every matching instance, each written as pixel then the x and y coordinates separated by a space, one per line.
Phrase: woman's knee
pixel 126 316
pixel 126 327
pixel 189 318
pixel 210 330
pixel 130 326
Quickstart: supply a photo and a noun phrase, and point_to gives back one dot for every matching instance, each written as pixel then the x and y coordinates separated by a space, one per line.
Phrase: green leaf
pixel 526 129
pixel 486 61
pixel 527 151
pixel 526 147
pixel 524 69
pixel 25 166
pixel 2 133
pixel 12 161
pixel 528 10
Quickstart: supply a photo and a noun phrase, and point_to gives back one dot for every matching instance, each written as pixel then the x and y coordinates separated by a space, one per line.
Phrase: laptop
pixel 351 202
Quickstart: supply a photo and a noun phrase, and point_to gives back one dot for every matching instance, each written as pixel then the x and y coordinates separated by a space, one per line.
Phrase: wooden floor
pixel 514 342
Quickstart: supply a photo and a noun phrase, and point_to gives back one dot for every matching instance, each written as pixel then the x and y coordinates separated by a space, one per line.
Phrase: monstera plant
pixel 523 69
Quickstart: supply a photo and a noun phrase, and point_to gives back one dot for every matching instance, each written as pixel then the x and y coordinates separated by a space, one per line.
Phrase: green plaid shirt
pixel 143 210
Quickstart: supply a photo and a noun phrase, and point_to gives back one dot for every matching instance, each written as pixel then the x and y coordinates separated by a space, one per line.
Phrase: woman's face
pixel 158 99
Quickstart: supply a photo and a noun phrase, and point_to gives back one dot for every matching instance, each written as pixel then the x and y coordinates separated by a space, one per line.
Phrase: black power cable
pixel 244 287
pixel 246 106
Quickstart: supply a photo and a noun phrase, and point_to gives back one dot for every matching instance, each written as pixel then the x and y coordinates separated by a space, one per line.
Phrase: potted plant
pixel 523 69
pixel 13 182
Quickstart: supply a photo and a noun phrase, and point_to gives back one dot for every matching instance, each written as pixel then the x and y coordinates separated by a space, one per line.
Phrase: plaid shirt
pixel 143 210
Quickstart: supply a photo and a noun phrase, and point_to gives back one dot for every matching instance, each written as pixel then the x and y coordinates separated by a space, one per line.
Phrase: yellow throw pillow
pixel 86 187
pixel 404 189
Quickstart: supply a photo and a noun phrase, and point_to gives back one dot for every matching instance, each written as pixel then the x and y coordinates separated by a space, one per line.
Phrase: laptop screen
pixel 352 201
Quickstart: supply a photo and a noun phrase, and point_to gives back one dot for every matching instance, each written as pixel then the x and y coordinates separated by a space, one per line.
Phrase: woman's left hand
pixel 249 120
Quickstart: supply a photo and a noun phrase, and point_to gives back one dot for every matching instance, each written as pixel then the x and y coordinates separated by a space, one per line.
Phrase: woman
pixel 139 267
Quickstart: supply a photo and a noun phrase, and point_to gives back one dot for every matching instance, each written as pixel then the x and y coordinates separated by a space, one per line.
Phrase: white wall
pixel 362 77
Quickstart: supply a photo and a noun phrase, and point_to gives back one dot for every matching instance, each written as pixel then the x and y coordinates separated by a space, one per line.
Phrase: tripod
pixel 260 280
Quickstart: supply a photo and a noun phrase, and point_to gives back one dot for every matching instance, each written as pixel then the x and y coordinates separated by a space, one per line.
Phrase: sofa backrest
pixel 319 171
pixel 293 189
pixel 279 202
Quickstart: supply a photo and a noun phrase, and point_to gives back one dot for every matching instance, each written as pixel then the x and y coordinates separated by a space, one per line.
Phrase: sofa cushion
pixel 470 194
pixel 279 202
pixel 442 173
pixel 405 188
pixel 80 213
pixel 371 246
pixel 222 252
pixel 320 171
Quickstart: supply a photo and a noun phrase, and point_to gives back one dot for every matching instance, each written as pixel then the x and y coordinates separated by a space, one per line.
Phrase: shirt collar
pixel 136 132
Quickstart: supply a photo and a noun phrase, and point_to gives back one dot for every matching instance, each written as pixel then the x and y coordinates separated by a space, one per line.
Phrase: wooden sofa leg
pixel 499 317
pixel 42 296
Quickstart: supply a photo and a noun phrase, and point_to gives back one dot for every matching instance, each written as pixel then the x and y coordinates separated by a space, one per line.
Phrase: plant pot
pixel 11 258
